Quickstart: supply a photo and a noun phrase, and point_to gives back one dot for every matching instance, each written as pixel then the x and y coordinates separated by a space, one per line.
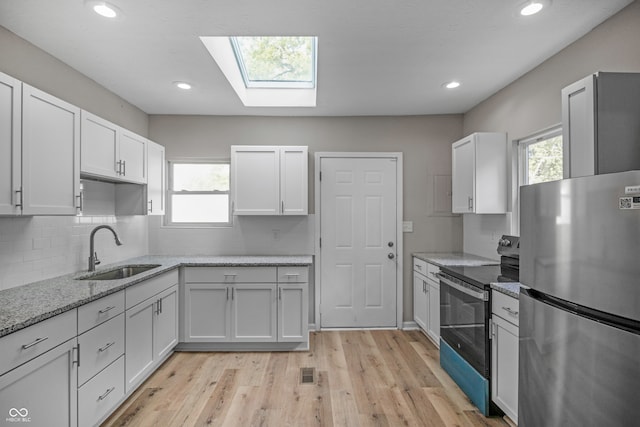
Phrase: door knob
pixel 391 255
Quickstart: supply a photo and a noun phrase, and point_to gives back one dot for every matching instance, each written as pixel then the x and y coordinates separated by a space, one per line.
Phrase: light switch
pixel 407 226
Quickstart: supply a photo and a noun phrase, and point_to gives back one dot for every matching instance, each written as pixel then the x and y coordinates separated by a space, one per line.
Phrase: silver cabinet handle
pixel 106 310
pixel 151 206
pixel 510 311
pixel 35 342
pixel 418 266
pixel 19 204
pixel 106 393
pixel 119 167
pixel 124 167
pixel 227 294
pixel 282 207
pixel 106 347
pixel 470 203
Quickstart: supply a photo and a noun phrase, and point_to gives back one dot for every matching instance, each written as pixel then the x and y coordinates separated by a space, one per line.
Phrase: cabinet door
pixel 155 178
pixel 434 312
pixel 504 365
pixel 133 157
pixel 253 311
pixel 10 145
pixel 293 312
pixel 255 180
pixel 50 154
pixel 463 175
pixel 420 300
pixel 99 146
pixel 578 128
pixel 207 312
pixel 139 349
pixel 293 180
pixel 165 325
pixel 42 392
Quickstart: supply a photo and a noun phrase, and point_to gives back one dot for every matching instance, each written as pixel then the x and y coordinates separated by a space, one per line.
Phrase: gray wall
pixel 533 103
pixel 425 142
pixel 28 63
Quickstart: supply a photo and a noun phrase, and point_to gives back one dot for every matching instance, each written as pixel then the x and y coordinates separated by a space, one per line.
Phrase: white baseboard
pixel 410 326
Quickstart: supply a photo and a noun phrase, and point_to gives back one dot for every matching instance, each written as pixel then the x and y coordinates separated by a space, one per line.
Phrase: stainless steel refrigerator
pixel 580 321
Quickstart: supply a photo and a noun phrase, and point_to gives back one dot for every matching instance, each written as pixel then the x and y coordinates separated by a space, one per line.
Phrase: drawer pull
pixel 106 310
pixel 510 311
pixel 35 342
pixel 433 273
pixel 106 393
pixel 106 347
pixel 292 274
pixel 418 266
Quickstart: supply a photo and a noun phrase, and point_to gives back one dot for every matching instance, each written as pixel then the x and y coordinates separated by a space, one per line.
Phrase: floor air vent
pixel 307 375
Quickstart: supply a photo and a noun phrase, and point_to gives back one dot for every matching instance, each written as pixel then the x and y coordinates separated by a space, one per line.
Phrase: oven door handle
pixel 476 294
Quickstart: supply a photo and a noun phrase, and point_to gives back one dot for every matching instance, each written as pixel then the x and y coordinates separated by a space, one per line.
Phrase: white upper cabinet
pixel 133 157
pixel 10 145
pixel 110 151
pixel 269 180
pixel 600 127
pixel 479 174
pixel 50 154
pixel 155 178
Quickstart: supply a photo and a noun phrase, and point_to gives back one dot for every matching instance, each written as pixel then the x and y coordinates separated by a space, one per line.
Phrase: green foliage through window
pixel 544 160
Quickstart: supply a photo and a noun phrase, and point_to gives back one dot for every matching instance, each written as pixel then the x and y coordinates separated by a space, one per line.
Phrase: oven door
pixel 464 319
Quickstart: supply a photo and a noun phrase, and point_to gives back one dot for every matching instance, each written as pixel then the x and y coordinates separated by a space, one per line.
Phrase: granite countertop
pixel 508 288
pixel 26 305
pixel 443 259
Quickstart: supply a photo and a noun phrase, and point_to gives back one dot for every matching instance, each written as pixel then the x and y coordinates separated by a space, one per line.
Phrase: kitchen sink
pixel 120 272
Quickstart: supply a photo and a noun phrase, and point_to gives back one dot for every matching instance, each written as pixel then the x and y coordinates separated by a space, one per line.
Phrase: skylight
pixel 282 62
pixel 268 71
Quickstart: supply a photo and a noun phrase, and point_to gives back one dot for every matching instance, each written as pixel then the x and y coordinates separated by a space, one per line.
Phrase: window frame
pixel 520 166
pixel 170 192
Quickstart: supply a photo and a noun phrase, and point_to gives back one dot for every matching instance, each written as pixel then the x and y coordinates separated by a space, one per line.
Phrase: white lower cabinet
pixel 99 396
pixel 426 298
pixel 504 353
pixel 43 391
pixel 245 305
pixel 151 326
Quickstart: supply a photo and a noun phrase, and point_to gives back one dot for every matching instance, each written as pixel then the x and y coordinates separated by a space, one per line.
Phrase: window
pixel 285 62
pixel 198 194
pixel 540 157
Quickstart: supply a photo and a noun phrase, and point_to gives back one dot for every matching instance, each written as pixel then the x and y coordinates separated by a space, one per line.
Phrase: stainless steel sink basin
pixel 120 272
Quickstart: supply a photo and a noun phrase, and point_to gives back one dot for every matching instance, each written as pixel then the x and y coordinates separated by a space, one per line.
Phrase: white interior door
pixel 358 242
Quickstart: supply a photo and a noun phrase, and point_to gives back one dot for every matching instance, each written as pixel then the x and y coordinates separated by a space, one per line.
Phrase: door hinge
pixel 320 175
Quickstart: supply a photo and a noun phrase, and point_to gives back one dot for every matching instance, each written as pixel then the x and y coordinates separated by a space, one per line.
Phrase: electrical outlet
pixel 407 226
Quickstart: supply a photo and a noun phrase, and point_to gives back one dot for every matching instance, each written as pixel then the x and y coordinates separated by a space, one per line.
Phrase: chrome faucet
pixel 93 256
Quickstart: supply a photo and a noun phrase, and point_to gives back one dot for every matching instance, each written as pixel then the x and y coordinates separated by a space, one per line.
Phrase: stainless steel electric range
pixel 465 309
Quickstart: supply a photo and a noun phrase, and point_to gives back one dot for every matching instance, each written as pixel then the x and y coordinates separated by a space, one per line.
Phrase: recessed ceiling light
pixel 531 8
pixel 103 8
pixel 183 85
pixel 451 85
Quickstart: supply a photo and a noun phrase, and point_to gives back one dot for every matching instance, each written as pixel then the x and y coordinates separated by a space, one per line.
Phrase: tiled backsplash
pixel 37 248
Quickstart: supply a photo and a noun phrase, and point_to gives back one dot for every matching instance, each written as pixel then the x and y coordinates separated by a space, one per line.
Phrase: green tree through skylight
pixel 280 59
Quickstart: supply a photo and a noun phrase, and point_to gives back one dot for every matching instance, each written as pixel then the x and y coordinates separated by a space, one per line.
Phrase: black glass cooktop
pixel 481 276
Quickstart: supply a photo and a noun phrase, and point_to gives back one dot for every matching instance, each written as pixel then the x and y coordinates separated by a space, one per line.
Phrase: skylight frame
pixel 275 84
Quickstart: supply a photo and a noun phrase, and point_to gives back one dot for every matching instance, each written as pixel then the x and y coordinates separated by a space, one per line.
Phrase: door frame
pixel 399 218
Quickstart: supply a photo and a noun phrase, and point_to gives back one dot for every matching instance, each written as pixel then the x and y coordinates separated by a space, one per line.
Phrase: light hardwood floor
pixel 362 378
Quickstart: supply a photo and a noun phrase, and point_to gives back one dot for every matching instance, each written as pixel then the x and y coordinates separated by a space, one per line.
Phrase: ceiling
pixel 375 57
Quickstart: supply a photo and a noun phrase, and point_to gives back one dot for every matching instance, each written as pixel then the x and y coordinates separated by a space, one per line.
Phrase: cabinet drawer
pixel 137 293
pixel 505 306
pixel 432 270
pixel 100 346
pixel 230 275
pixel 27 343
pixel 99 311
pixel 419 265
pixel 100 395
pixel 293 274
